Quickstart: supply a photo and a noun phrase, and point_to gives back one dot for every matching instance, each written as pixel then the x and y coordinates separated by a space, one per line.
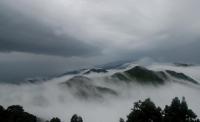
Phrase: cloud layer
pixel 93 32
pixel 22 33
pixel 114 26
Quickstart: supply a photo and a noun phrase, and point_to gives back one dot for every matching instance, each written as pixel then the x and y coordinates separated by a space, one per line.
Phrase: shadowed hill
pixel 181 76
pixel 145 76
pixel 141 75
pixel 84 87
pixel 96 70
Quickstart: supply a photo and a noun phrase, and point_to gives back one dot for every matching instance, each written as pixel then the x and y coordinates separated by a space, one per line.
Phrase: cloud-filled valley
pixel 82 94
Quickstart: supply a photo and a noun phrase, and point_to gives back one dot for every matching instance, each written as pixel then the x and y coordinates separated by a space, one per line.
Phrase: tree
pixel 76 118
pixel 2 113
pixel 1 109
pixel 15 108
pixel 55 120
pixel 145 111
pixel 15 113
pixel 178 112
pixel 121 120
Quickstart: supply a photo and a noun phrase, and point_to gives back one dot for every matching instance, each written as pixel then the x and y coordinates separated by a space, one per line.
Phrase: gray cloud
pixel 92 32
pixel 25 34
pixel 112 25
pixel 17 66
pixel 183 53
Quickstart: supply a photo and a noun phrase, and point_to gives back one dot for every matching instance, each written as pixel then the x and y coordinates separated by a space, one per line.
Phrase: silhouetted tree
pixel 15 108
pixel 1 113
pixel 121 120
pixel 178 112
pixel 55 120
pixel 1 109
pixel 76 118
pixel 145 111
pixel 15 113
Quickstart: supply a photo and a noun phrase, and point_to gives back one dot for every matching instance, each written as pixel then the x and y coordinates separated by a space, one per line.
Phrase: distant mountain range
pixel 82 82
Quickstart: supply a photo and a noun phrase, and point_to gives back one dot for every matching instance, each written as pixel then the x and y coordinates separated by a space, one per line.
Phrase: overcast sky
pixel 45 37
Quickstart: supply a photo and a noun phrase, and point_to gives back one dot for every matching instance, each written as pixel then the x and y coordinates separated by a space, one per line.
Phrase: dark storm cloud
pixel 114 26
pixel 25 34
pixel 184 53
pixel 104 31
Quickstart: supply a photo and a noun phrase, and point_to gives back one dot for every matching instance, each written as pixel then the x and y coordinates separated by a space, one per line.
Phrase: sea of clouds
pixel 48 99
